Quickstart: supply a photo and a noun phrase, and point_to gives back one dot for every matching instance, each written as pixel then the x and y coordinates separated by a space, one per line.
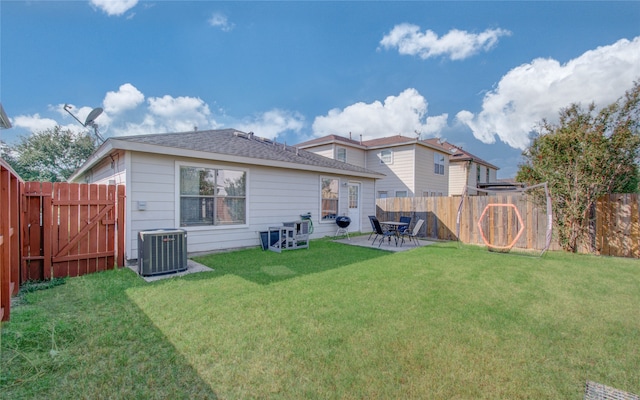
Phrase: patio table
pixel 393 226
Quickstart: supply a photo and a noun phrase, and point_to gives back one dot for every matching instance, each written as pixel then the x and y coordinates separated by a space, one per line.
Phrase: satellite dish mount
pixel 90 121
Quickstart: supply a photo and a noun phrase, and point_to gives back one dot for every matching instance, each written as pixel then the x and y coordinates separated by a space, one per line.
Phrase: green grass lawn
pixel 334 321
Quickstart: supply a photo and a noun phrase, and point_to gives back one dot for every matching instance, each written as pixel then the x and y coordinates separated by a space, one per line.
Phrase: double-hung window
pixel 438 163
pixel 341 154
pixel 386 157
pixel 212 196
pixel 329 198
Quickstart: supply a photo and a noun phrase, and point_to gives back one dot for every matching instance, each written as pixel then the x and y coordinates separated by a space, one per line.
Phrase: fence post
pixel 120 227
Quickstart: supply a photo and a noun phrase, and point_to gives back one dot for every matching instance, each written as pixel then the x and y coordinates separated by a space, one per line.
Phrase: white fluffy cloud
pixel 272 123
pixel 126 98
pixel 33 122
pixel 402 114
pixel 37 123
pixel 170 114
pixel 114 7
pixel 456 44
pixel 538 90
pixel 219 20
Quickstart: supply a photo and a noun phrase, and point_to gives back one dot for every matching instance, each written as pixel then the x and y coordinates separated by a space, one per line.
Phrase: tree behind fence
pixel 617 231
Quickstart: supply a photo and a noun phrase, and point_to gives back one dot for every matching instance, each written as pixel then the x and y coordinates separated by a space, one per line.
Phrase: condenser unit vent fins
pixel 162 251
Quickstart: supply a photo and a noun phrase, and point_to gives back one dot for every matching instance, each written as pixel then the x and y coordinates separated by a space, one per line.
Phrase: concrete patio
pixel 364 241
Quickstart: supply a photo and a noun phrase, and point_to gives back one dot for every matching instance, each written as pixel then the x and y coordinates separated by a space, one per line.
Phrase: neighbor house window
pixel 478 174
pixel 401 193
pixel 341 154
pixel 386 157
pixel 438 163
pixel 210 196
pixel 329 198
pixel 382 195
pixel 487 174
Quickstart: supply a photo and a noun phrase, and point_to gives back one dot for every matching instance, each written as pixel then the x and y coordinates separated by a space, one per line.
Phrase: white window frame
pixel 402 193
pixel 386 156
pixel 341 154
pixel 382 194
pixel 438 163
pixel 179 165
pixel 320 194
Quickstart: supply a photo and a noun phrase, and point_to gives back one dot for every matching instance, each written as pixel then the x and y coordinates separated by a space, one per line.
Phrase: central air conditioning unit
pixel 162 251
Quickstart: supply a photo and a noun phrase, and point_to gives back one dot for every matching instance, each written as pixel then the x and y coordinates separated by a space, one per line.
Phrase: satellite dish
pixel 90 121
pixel 95 113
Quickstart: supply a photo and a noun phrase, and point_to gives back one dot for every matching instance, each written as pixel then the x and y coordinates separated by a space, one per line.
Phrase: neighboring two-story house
pixel 466 169
pixel 412 167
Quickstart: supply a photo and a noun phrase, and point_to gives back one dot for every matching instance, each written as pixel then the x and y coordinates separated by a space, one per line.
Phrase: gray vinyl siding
pixel 107 171
pixel 355 156
pixel 274 195
pixel 493 175
pixel 326 150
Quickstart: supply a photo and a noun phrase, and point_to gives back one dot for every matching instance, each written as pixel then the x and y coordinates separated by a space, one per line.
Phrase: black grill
pixel 343 221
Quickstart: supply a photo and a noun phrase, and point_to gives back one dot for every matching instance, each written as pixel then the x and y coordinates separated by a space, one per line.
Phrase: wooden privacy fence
pixel 70 229
pixel 501 223
pixel 616 233
pixel 9 237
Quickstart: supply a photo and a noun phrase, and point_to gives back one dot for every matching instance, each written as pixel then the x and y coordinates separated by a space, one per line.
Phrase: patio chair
pixel 402 229
pixel 412 235
pixel 373 227
pixel 383 233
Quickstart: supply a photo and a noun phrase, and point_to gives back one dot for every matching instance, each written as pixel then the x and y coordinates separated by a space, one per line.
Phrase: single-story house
pixel 224 186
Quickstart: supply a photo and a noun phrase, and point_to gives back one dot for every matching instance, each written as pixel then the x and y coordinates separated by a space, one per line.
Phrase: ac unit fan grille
pixel 162 252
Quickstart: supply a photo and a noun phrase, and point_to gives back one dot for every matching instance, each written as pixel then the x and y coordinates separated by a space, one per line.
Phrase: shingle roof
pixel 458 154
pixel 396 140
pixel 235 143
pixel 328 139
pixel 388 141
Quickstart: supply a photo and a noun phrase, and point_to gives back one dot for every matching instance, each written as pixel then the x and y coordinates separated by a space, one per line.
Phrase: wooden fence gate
pixel 71 229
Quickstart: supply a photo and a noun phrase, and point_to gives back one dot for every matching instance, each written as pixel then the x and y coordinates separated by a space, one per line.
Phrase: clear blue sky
pixel 480 74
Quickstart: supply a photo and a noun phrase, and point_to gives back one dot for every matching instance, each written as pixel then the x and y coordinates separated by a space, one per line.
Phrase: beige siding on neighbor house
pixel 274 195
pixel 427 180
pixel 457 178
pixel 399 173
